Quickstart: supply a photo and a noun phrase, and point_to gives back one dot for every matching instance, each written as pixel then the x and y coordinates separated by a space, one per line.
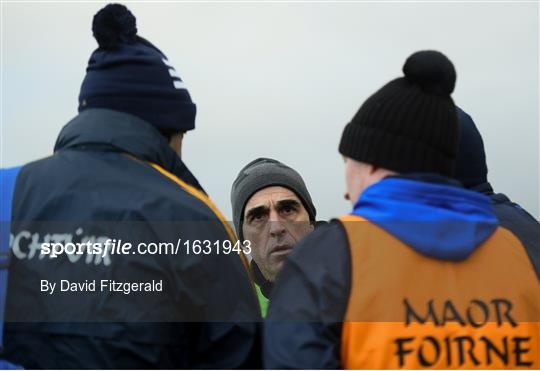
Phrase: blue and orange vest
pixel 408 310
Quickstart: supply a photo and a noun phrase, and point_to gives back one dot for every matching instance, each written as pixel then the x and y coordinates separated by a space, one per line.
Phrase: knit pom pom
pixel 432 70
pixel 113 25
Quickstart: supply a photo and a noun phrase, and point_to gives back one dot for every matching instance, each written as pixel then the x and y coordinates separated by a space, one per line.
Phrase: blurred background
pixel 281 79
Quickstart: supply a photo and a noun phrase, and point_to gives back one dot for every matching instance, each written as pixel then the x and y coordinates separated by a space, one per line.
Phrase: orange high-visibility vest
pixel 407 310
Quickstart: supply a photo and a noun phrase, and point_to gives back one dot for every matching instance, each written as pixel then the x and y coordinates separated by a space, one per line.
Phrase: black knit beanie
pixel 410 124
pixel 127 73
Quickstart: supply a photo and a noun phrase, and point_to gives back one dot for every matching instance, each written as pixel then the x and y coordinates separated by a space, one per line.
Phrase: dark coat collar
pixel 265 285
pixel 109 130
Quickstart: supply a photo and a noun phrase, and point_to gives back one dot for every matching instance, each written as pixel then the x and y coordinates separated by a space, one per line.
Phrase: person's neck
pixel 265 284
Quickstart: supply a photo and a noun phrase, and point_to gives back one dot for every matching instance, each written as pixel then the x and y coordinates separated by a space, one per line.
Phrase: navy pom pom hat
pixel 129 74
pixel 410 124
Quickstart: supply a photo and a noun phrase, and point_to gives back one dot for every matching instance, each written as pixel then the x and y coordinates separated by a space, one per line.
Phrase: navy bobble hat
pixel 127 73
pixel 471 166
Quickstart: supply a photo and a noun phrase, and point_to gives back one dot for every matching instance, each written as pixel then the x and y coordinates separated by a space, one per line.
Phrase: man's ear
pixel 373 169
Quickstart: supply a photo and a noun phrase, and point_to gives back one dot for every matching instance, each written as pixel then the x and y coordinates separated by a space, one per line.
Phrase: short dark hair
pixel 168 133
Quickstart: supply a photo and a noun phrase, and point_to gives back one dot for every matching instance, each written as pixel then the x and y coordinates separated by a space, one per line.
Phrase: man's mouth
pixel 281 249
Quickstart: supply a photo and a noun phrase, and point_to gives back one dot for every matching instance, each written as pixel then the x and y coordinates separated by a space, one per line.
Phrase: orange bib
pixel 407 310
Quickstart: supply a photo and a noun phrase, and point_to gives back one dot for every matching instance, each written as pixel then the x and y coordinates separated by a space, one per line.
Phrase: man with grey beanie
pixel 272 208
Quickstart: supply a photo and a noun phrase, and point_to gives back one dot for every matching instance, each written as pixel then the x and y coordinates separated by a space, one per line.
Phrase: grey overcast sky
pixel 282 79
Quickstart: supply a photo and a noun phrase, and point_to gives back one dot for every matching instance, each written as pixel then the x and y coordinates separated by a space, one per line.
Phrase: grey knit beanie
pixel 262 173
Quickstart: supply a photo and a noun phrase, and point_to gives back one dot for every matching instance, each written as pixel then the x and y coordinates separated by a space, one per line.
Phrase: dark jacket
pixel 516 219
pixel 304 324
pixel 100 183
pixel 472 172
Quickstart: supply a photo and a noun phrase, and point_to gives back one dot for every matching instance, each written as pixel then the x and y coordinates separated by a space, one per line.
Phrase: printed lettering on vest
pixel 478 314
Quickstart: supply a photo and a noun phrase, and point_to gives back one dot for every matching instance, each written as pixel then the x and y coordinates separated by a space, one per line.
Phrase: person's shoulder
pixel 168 196
pixel 41 164
pixel 180 205
pixel 325 243
pixel 325 232
pixel 521 224
pixel 505 208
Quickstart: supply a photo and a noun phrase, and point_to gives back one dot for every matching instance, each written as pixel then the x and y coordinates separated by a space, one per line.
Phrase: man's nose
pixel 277 226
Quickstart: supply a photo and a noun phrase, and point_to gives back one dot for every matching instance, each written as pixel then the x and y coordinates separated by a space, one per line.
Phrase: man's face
pixel 274 221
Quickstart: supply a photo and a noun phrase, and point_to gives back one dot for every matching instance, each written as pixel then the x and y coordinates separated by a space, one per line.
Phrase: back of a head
pixel 410 124
pixel 471 166
pixel 129 74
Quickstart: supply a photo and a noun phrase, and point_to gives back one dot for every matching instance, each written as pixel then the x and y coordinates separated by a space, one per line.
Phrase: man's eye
pixel 288 210
pixel 257 218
